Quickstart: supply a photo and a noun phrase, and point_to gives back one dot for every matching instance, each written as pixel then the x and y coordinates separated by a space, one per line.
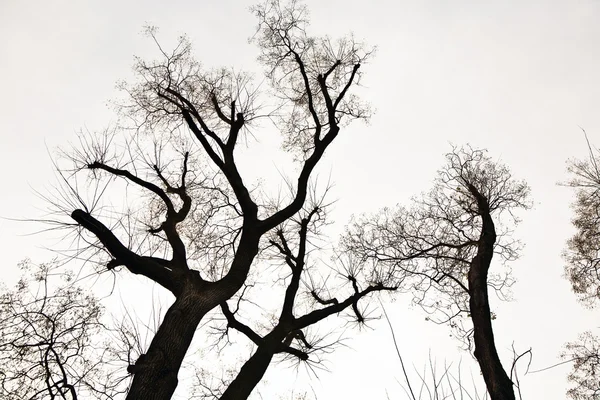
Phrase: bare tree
pixel 583 248
pixel 442 249
pixel 183 216
pixel 50 340
pixel 582 269
pixel 585 354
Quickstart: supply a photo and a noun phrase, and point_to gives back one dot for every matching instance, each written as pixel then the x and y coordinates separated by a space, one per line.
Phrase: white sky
pixel 516 77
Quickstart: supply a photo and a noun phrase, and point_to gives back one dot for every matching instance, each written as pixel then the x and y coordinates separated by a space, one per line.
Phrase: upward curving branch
pixel 138 181
pixel 173 216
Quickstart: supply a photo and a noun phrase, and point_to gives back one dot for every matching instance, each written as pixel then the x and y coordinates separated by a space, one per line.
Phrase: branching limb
pixel 129 176
pixel 318 315
pixel 258 340
pixel 155 269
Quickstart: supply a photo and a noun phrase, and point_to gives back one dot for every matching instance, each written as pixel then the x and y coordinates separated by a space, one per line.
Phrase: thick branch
pixel 155 269
pixel 226 165
pixel 318 315
pixel 218 110
pixel 345 89
pixel 128 175
pixel 237 122
pixel 323 301
pixel 189 107
pixel 302 191
pixel 173 217
pixel 169 226
pixel 233 323
pixel 307 88
pixel 297 266
pixel 198 133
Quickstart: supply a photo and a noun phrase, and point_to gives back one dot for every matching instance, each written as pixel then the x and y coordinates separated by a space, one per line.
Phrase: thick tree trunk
pixel 155 373
pixel 499 385
pixel 253 370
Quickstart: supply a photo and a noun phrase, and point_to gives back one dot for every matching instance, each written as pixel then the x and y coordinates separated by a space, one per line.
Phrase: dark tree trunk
pixel 254 369
pixel 155 373
pixel 499 385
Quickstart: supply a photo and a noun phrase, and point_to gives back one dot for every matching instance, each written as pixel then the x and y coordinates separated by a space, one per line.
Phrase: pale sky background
pixel 515 77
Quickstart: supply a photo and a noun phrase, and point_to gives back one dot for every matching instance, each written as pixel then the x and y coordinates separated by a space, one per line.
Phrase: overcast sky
pixel 516 77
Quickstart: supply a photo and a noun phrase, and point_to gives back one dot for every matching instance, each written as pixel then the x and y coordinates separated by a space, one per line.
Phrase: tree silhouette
pixel 162 195
pixel 581 269
pixel 53 342
pixel 442 250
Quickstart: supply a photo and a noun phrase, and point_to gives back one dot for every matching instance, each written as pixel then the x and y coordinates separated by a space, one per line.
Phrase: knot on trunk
pixel 139 364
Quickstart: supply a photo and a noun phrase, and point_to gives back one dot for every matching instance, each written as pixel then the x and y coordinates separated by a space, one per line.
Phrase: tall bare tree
pixel 199 228
pixel 442 250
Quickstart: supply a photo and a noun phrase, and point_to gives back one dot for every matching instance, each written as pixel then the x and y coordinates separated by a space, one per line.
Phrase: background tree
pixel 585 354
pixel 200 229
pixel 582 270
pixel 583 248
pixel 442 250
pixel 51 340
